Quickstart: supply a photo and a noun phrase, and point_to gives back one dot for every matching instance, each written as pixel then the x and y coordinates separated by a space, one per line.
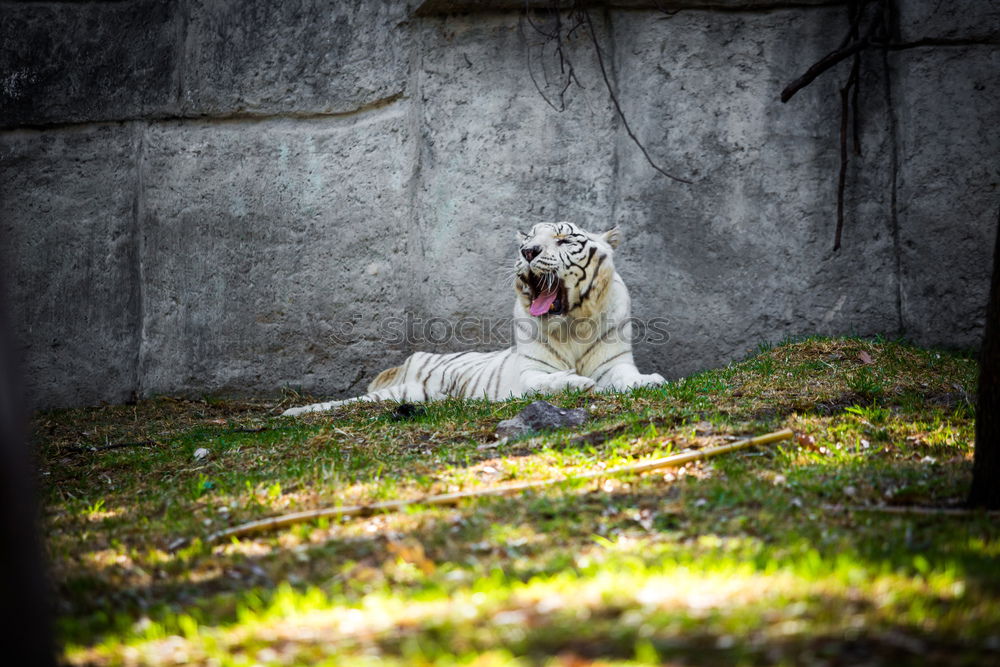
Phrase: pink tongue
pixel 542 303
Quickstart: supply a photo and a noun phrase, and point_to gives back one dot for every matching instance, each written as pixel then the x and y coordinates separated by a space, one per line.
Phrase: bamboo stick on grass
pixel 675 460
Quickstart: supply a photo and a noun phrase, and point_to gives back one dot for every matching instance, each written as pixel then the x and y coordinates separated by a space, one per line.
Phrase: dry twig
pixel 675 460
pixel 912 509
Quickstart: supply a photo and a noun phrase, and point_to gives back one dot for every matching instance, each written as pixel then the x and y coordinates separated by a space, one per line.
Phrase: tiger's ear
pixel 521 237
pixel 612 237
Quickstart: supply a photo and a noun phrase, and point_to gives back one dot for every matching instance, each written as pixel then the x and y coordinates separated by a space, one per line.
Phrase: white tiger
pixel 572 331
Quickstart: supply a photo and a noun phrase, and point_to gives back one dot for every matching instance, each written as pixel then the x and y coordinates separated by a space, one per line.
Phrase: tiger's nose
pixel 531 252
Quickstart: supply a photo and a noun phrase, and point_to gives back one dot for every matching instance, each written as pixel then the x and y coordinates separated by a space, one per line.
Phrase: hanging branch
pixel 852 82
pixel 853 44
pixel 579 18
pixel 618 107
pixel 565 64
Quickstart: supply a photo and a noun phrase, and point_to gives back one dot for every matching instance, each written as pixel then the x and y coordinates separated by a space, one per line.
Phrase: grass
pixel 743 559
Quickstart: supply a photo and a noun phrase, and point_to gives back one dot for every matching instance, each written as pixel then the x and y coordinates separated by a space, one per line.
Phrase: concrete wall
pixel 233 196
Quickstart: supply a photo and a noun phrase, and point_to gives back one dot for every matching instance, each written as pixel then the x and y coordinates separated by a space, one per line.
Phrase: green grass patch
pixel 749 558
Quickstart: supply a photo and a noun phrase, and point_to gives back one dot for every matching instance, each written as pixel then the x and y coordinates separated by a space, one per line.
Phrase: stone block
pixel 495 157
pixel 434 7
pixel 948 103
pixel 961 20
pixel 272 250
pixel 743 255
pixel 295 57
pixel 87 61
pixel 66 204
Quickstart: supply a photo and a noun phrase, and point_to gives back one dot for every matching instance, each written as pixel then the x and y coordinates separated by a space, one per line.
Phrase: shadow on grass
pixel 778 582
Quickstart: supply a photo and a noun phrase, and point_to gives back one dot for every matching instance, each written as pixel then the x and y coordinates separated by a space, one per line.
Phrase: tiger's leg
pixel 406 391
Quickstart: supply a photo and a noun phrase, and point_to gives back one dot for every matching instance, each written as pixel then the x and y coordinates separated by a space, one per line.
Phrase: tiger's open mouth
pixel 548 294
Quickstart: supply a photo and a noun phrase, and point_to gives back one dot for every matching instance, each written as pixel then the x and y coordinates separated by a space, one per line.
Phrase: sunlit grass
pixel 762 556
pixel 629 588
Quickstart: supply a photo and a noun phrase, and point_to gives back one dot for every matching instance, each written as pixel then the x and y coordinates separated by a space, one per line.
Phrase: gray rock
pixel 389 158
pixel 68 256
pixel 299 57
pixel 432 7
pixel 745 254
pixel 494 157
pixel 270 251
pixel 949 188
pixel 940 20
pixel 87 61
pixel 541 416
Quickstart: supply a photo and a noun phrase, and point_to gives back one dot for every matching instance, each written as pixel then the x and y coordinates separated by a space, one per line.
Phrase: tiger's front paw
pixel 562 380
pixel 651 380
pixel 634 381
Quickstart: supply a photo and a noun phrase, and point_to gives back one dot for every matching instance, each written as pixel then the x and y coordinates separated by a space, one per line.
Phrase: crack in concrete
pixel 414 237
pixel 616 121
pixel 138 245
pixel 894 191
pixel 443 7
pixel 181 54
pixel 945 42
pixel 237 117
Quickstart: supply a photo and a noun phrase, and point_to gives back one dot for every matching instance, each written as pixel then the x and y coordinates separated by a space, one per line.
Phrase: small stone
pixel 541 416
pixel 406 411
pixel 511 428
pixel 177 544
pixel 201 453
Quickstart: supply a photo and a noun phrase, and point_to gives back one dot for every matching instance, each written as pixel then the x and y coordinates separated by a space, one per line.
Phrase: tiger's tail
pixel 386 378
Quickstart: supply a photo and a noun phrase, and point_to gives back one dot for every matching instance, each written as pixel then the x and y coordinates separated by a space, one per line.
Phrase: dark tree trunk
pixel 986 469
pixel 25 609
